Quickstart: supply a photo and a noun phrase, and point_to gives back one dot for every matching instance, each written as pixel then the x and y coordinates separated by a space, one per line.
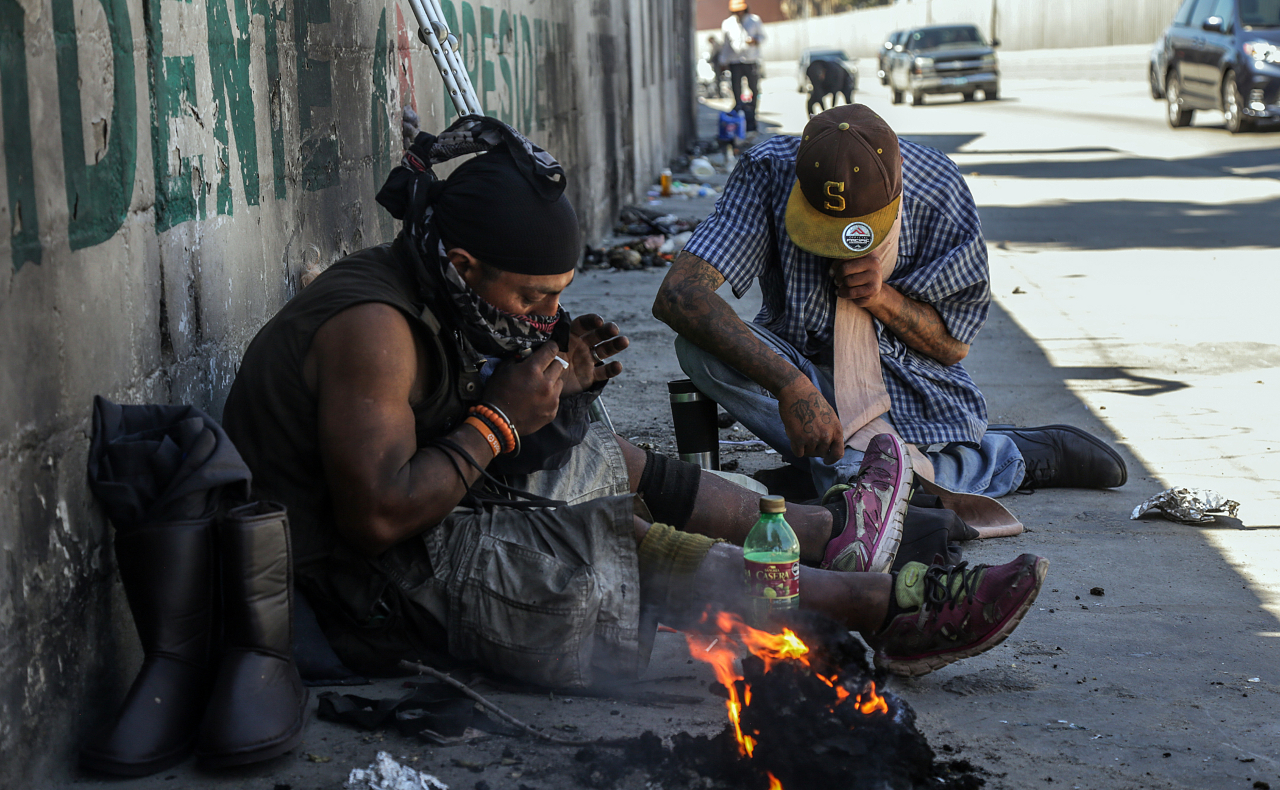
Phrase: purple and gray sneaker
pixel 944 614
pixel 875 504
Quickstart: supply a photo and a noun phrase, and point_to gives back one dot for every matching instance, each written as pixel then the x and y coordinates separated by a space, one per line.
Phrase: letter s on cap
pixel 839 187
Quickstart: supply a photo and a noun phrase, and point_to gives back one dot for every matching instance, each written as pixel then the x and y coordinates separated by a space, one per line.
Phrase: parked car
pixel 1220 55
pixel 822 53
pixel 891 42
pixel 943 59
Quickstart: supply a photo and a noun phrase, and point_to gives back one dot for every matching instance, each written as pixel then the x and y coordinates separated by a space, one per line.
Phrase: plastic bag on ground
pixel 384 773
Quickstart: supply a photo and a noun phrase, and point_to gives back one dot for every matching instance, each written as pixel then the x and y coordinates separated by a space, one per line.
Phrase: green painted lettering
pixel 506 48
pixel 98 194
pixel 270 16
pixel 172 81
pixel 315 89
pixel 232 99
pixel 19 155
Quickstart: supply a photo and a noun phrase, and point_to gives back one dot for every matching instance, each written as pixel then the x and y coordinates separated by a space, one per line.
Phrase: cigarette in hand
pixel 564 363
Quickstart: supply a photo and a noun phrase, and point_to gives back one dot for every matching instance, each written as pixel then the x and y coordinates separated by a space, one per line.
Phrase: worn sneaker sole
pixel 923 665
pixel 887 550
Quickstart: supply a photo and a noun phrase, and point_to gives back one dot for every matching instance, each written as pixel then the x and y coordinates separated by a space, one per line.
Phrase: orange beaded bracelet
pixel 503 427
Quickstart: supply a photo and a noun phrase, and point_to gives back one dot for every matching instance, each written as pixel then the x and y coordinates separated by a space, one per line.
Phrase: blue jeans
pixel 994 468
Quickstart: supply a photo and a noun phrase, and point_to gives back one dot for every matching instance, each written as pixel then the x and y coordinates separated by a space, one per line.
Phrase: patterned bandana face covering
pixel 508 334
pixel 408 195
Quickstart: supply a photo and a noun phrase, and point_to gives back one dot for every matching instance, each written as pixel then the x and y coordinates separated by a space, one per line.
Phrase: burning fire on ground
pixel 723 651
pixel 805 712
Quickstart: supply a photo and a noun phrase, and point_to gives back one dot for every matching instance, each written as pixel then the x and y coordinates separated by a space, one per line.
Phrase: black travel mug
pixel 694 415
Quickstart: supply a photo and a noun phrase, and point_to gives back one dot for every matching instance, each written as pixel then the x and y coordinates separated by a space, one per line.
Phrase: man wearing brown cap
pixel 870 256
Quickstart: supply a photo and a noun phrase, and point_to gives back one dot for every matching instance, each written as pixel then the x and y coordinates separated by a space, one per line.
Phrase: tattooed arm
pixel 918 324
pixel 688 303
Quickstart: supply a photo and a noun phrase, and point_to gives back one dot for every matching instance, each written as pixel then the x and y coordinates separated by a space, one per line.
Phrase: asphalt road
pixel 1135 269
pixel 1135 272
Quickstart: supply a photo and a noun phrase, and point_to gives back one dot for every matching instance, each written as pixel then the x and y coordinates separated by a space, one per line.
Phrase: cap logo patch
pixel 858 236
pixel 832 187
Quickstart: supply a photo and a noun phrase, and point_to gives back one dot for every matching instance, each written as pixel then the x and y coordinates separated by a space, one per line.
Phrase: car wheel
pixel 968 95
pixel 1233 105
pixel 897 96
pixel 991 94
pixel 1177 116
pixel 884 80
pixel 1154 77
pixel 917 98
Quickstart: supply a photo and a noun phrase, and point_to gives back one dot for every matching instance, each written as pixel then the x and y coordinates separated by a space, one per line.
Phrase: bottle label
pixel 773 586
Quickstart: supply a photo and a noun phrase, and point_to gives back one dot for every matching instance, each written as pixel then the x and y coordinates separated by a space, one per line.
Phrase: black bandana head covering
pixel 506 207
pixel 490 210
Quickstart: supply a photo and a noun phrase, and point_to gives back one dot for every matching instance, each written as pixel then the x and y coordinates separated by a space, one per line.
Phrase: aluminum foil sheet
pixel 1188 505
pixel 387 774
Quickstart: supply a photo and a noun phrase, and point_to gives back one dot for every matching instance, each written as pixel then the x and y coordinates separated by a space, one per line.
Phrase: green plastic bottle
pixel 771 559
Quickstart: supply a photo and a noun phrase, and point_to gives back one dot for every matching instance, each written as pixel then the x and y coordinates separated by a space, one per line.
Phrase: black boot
pixel 167 571
pixel 258 706
pixel 1062 456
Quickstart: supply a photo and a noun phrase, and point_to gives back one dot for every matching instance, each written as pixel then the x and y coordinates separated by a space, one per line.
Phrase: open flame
pixel 722 652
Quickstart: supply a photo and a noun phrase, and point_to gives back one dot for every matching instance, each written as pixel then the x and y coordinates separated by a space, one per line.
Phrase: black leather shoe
pixel 1062 456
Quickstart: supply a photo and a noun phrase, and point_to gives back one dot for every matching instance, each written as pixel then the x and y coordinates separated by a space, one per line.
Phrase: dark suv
pixel 1220 54
pixel 891 42
pixel 943 59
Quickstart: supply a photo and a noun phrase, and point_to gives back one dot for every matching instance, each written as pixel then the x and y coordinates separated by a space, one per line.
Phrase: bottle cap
pixel 773 504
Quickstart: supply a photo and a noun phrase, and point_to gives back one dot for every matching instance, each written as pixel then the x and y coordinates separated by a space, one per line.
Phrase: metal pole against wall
pixel 433 32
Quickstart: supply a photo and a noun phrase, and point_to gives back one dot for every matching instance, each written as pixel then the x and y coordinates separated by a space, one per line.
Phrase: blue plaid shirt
pixel 942 260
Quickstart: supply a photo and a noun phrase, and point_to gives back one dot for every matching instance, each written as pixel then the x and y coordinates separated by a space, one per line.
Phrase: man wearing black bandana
pixel 422 410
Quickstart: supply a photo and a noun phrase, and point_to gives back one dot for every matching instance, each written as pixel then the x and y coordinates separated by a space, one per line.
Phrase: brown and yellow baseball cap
pixel 848 183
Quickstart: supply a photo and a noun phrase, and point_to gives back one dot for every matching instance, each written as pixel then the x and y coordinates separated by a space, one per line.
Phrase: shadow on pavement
pixel 1132 224
pixel 1256 163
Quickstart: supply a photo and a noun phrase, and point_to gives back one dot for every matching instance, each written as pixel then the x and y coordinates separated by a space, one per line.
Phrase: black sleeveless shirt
pixel 271 414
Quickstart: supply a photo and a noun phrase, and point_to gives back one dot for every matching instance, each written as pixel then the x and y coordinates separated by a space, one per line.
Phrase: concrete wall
pixel 1019 24
pixel 168 168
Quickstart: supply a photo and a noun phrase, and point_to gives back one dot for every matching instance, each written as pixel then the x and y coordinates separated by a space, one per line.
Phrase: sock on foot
pixel 907 590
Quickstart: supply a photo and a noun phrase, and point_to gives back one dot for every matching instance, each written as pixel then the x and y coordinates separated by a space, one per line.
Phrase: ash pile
pixel 813 719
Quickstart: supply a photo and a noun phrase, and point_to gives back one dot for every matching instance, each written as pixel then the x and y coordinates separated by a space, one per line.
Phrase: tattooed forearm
pixel 918 325
pixel 687 302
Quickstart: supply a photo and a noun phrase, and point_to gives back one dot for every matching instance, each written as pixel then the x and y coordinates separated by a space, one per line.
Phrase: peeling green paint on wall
pixel 270 16
pixel 205 140
pixel 98 194
pixel 232 99
pixel 172 81
pixel 19 156
pixel 315 89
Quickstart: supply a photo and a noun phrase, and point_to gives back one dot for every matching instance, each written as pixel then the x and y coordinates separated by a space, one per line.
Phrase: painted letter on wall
pixel 98 193
pixel 15 104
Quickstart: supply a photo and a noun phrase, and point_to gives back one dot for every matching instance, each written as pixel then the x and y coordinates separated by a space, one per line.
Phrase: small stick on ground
pixel 502 714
